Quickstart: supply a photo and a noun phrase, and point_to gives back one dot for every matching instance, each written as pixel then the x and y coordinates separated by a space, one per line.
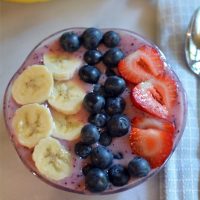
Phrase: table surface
pixel 21 28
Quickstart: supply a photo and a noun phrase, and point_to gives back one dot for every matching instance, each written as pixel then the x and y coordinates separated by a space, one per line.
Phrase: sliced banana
pixel 34 85
pixel 63 66
pixel 66 97
pixel 67 127
pixel 31 123
pixel 52 160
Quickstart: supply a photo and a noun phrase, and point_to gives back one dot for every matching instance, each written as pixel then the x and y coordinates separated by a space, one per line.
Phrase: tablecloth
pixel 181 177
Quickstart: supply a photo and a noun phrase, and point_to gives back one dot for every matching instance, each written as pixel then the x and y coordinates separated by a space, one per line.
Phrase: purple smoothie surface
pixel 129 43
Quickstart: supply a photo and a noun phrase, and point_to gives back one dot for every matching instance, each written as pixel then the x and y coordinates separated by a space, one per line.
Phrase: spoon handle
pixel 196 28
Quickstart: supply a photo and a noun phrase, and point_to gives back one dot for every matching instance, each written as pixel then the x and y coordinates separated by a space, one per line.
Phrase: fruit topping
pixel 92 57
pixel 149 122
pixel 115 105
pixel 86 169
pixel 91 38
pixel 118 175
pixel 82 150
pixel 99 89
pixel 110 72
pixel 138 167
pixel 89 134
pixel 62 65
pixel 31 123
pixel 67 127
pixel 96 180
pixel 118 125
pixel 66 97
pixel 33 85
pixel 112 57
pixel 111 39
pixel 52 159
pixel 98 119
pixel 156 96
pixel 105 139
pixel 89 74
pixel 152 144
pixel 141 65
pixel 114 86
pixel 101 157
pixel 70 41
pixel 93 102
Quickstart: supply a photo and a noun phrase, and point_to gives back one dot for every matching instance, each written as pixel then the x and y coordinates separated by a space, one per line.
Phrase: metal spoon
pixel 192 43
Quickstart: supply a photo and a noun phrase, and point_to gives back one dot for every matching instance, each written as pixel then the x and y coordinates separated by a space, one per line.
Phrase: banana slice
pixel 34 85
pixel 66 97
pixel 63 66
pixel 67 127
pixel 52 160
pixel 31 123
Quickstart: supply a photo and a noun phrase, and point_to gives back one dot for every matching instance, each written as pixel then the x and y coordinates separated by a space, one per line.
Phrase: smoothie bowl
pixel 95 111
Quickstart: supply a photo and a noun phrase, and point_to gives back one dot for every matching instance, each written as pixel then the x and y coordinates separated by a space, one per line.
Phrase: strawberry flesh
pixel 152 144
pixel 141 65
pixel 150 122
pixel 166 87
pixel 155 96
pixel 142 98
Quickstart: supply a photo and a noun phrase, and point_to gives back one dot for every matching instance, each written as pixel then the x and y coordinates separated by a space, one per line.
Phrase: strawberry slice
pixel 149 122
pixel 156 96
pixel 152 144
pixel 141 65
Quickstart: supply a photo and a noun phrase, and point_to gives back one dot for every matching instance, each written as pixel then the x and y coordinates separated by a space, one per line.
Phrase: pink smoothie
pixel 129 43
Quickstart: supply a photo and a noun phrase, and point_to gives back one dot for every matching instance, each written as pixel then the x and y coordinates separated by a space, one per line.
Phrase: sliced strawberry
pixel 141 65
pixel 156 96
pixel 149 122
pixel 152 144
pixel 143 99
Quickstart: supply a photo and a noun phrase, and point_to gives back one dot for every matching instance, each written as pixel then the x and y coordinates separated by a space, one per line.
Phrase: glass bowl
pixel 129 42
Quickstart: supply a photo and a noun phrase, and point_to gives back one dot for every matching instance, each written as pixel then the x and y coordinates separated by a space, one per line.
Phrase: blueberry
pixel 105 139
pixel 89 74
pixel 112 57
pixel 89 134
pixel 98 119
pixel 99 89
pixel 118 175
pixel 101 157
pixel 82 150
pixel 92 57
pixel 118 125
pixel 91 38
pixel 96 180
pixel 110 72
pixel 111 39
pixel 93 102
pixel 115 105
pixel 118 156
pixel 138 167
pixel 70 41
pixel 86 169
pixel 114 86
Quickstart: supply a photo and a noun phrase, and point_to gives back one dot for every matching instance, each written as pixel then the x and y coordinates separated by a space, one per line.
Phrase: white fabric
pixel 182 174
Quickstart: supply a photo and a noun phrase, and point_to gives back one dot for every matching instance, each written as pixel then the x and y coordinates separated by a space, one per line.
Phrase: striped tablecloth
pixel 182 173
